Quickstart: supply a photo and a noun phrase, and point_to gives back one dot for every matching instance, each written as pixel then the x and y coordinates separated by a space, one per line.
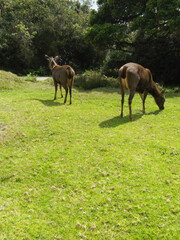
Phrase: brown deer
pixel 136 78
pixel 62 75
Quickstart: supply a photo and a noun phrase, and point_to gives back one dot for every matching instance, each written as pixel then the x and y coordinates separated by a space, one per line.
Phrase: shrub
pixel 94 79
pixel 113 61
pixel 31 77
pixel 42 71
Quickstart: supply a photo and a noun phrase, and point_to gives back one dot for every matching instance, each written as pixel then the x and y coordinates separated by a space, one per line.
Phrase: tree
pixel 143 31
pixel 110 26
pixel 29 29
pixel 156 42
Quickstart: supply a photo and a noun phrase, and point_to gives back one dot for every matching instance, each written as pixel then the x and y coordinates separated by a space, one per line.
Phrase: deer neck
pixel 154 91
pixel 53 67
pixel 54 64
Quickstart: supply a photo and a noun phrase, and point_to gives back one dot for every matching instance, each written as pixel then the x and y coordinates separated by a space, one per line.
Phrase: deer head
pixel 52 62
pixel 160 100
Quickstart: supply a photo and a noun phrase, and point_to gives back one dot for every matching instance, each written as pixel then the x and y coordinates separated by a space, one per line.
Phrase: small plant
pixel 31 77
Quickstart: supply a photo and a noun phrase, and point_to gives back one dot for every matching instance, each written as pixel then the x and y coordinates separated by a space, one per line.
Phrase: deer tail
pixel 123 72
pixel 70 72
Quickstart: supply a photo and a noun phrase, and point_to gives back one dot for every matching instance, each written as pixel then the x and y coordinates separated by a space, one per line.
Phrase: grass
pixel 82 172
pixel 9 80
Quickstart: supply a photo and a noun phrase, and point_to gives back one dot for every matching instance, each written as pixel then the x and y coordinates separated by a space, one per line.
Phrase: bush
pixel 41 71
pixel 30 77
pixel 113 61
pixel 94 79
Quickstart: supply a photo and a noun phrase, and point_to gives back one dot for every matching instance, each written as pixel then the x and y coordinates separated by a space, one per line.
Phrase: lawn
pixel 81 172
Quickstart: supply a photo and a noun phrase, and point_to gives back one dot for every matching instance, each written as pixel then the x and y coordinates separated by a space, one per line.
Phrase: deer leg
pixel 122 101
pixel 70 92
pixel 143 97
pixel 61 91
pixel 131 95
pixel 66 89
pixel 55 85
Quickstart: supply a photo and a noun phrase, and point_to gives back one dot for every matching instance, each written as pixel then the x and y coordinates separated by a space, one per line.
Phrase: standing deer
pixel 139 79
pixel 62 75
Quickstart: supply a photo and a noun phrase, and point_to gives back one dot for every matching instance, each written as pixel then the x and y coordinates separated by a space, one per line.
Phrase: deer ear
pixel 46 56
pixel 162 92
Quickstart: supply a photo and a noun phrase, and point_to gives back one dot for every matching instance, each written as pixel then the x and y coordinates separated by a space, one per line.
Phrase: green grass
pixel 82 172
pixel 9 81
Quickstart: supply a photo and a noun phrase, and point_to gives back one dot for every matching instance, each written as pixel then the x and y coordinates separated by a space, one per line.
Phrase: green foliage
pixel 146 32
pixel 41 71
pixel 29 29
pixel 112 62
pixel 114 17
pixel 117 12
pixel 159 16
pixel 31 77
pixel 94 79
pixel 82 172
pixel 157 44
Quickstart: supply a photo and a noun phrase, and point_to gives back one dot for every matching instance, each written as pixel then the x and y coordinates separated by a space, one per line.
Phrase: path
pixel 42 78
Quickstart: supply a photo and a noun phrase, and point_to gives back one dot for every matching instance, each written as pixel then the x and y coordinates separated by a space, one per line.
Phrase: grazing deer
pixel 139 79
pixel 62 75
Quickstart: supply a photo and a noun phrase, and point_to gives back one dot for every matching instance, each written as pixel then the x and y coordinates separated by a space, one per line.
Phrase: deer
pixel 136 78
pixel 62 75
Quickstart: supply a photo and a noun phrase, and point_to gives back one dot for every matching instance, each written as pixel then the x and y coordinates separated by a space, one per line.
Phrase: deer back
pixel 135 77
pixel 60 75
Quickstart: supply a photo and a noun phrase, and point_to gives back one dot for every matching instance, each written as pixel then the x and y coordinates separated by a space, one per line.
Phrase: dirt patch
pixel 2 127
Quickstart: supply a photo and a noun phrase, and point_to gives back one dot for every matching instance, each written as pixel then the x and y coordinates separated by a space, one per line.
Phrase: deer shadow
pixel 49 103
pixel 116 121
pixel 154 112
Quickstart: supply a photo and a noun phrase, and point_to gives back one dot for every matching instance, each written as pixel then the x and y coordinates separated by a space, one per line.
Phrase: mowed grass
pixel 82 172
